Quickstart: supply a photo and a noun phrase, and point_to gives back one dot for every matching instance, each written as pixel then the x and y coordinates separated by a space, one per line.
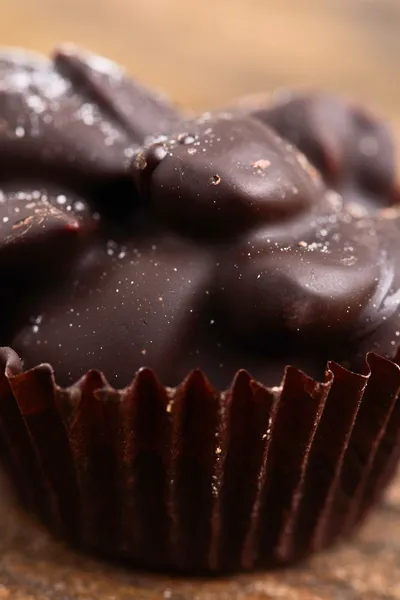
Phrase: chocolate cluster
pixel 133 236
pixel 174 292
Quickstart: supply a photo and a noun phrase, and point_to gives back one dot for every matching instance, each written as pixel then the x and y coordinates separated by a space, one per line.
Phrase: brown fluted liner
pixel 195 479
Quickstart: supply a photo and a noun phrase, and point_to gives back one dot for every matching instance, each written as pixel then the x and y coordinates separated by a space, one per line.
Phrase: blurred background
pixel 204 53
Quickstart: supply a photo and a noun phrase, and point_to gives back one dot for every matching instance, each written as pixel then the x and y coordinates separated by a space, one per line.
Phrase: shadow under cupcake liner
pixel 190 478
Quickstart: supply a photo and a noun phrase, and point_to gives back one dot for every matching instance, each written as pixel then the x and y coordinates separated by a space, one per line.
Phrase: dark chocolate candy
pixel 223 175
pixel 41 235
pixel 215 245
pixel 352 148
pixel 34 230
pixel 139 112
pixel 75 120
pixel 124 306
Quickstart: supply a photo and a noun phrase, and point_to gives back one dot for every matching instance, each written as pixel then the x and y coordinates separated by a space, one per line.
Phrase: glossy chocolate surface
pixel 351 147
pixel 133 237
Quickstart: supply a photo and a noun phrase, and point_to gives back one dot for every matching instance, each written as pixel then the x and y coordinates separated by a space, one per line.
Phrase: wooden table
pixel 204 53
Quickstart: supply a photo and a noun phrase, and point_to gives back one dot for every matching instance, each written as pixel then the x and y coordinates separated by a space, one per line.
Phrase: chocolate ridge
pixel 157 116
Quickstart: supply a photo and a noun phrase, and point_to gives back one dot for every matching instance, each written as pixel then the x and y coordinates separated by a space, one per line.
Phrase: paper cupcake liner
pixel 195 479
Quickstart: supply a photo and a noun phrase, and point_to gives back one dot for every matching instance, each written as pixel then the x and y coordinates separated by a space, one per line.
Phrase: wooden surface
pixel 204 53
pixel 35 567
